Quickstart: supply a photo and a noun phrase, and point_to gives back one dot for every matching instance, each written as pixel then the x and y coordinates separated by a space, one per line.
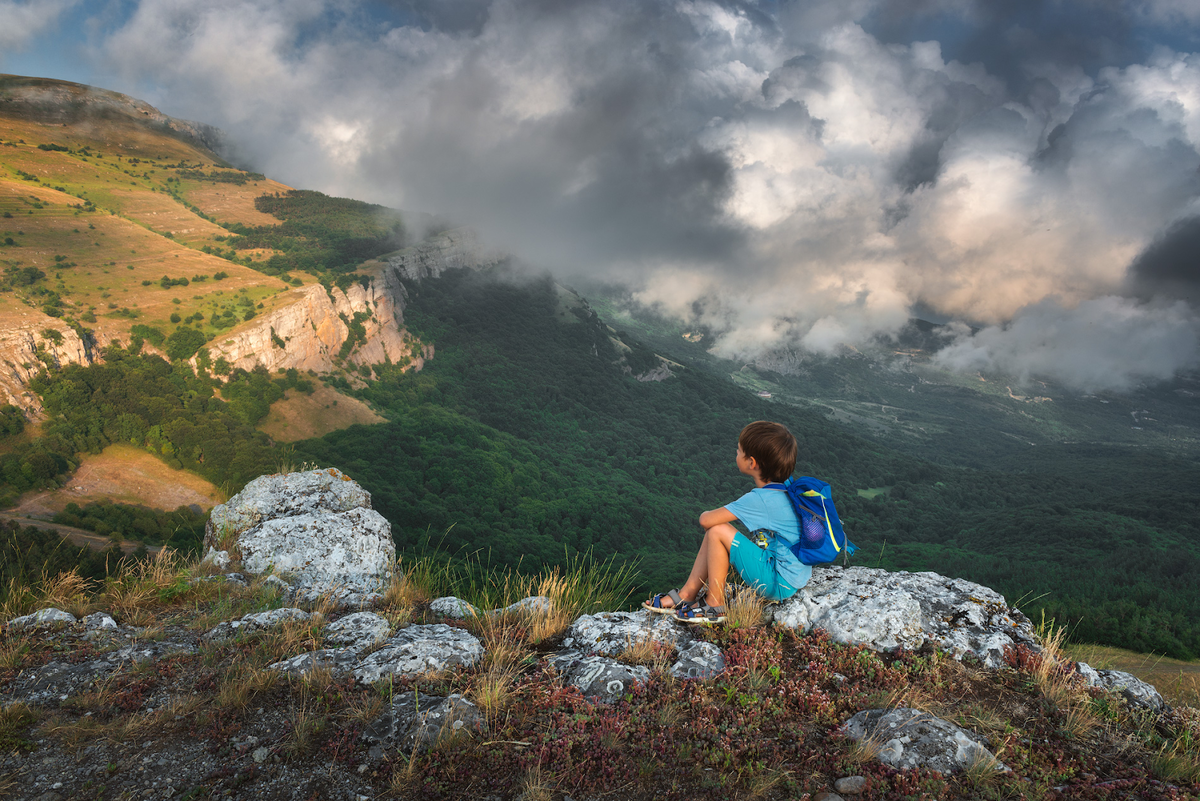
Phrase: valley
pixel 160 305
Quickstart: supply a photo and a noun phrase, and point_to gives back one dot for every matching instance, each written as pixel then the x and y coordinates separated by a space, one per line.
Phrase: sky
pixel 794 176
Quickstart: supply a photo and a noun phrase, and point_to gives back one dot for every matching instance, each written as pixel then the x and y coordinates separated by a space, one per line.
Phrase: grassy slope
pixel 140 232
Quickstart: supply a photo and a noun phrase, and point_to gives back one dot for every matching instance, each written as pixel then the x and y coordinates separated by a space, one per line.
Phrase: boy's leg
pixel 711 565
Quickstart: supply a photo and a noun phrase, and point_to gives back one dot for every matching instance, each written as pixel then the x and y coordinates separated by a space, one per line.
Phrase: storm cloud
pixel 788 174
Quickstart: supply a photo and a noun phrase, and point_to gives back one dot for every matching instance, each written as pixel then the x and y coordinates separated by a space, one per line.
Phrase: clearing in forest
pixel 124 474
pixel 299 416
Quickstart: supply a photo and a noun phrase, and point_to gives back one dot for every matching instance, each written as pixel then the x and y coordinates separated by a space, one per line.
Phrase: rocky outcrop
pixel 886 611
pixel 454 249
pixel 314 529
pixel 29 348
pixel 1127 685
pixel 315 326
pixel 910 738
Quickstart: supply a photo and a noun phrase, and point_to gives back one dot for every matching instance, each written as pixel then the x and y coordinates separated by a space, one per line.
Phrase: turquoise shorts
pixel 757 568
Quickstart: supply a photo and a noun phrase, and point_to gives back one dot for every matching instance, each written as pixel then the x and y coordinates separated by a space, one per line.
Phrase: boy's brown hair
pixel 773 448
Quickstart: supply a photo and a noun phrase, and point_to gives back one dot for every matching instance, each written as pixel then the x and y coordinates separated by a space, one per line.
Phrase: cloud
pixel 21 22
pixel 1105 343
pixel 794 175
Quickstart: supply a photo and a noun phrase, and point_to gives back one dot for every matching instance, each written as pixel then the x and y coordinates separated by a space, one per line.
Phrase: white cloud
pixel 789 180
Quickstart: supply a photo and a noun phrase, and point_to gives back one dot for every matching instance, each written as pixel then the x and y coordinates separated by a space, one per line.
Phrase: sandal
pixel 654 605
pixel 704 615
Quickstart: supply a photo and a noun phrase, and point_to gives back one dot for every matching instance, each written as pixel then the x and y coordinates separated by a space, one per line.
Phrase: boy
pixel 767 454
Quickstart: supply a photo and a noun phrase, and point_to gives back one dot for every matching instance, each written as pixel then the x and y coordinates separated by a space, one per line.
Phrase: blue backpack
pixel 821 536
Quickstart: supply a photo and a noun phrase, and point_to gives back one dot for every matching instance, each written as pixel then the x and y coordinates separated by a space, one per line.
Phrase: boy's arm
pixel 715 517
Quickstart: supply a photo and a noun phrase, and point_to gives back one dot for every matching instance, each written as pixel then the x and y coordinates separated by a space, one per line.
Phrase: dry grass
pixel 865 750
pixel 14 652
pixel 492 690
pixel 536 785
pixel 762 782
pixel 645 651
pixel 746 610
pixel 69 592
pixel 240 687
pixel 983 771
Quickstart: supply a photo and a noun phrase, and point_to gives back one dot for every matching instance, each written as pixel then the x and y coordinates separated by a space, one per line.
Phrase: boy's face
pixel 747 465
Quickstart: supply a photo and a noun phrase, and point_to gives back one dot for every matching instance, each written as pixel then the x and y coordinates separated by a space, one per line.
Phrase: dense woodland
pixel 319 234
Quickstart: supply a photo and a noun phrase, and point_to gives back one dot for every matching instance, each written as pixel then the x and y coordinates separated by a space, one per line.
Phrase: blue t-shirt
pixel 771 508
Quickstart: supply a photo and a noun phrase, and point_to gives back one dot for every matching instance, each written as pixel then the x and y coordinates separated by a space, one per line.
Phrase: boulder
pixel 449 606
pixel 255 621
pixel 48 618
pixel 885 611
pixel 598 677
pixel 1130 687
pixel 359 630
pixel 420 649
pixel 610 633
pixel 316 529
pixel 910 738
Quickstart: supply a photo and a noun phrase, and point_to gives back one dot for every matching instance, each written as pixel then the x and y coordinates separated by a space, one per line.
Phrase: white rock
pixel 315 529
pixel 911 738
pixel 611 633
pixel 420 649
pixel 218 559
pixel 1132 688
pixel 359 629
pixel 700 660
pixel 599 678
pixel 256 621
pixel 43 619
pixel 449 606
pixel 99 620
pixel 337 660
pixel 884 611
pixel 285 495
pixel 534 604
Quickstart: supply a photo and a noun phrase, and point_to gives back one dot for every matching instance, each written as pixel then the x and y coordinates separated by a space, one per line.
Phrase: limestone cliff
pixel 26 348
pixel 308 334
pixel 308 331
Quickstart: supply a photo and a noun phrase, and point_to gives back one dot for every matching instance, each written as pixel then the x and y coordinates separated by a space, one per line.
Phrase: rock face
pixel 316 529
pixel 448 250
pixel 315 325
pixel 885 611
pixel 909 738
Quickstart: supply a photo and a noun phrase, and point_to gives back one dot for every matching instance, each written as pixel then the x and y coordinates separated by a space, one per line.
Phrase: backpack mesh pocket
pixel 812 531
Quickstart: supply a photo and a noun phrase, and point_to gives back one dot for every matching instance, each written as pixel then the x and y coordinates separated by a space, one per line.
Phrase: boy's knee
pixel 723 532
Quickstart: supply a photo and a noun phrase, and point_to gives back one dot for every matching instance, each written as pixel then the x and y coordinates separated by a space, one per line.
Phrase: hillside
pixel 156 694
pixel 546 426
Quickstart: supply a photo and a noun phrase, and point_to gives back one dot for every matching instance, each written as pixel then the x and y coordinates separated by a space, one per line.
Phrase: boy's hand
pixel 714 517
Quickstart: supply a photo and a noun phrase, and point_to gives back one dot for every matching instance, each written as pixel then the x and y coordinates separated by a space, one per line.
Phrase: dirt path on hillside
pixel 77 536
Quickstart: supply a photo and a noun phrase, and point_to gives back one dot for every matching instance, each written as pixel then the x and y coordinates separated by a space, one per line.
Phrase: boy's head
pixel 772 446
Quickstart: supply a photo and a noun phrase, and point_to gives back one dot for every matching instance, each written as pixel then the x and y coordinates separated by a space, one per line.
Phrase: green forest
pixel 528 440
